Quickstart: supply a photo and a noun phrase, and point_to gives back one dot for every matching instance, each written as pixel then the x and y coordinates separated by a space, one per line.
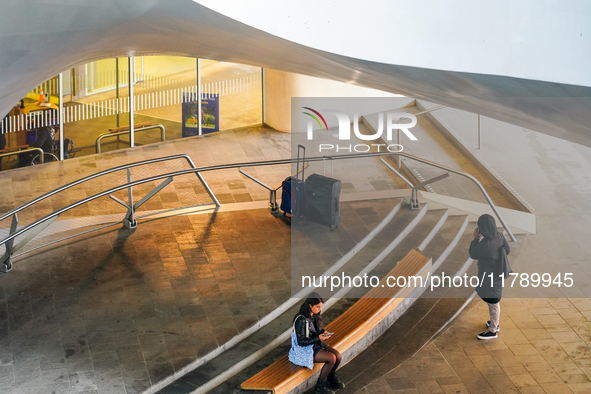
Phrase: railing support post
pixel 273 200
pixel 414 200
pixel 6 264
pixel 129 222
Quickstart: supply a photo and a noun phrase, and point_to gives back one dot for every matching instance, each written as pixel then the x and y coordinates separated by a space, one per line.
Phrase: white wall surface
pixel 281 86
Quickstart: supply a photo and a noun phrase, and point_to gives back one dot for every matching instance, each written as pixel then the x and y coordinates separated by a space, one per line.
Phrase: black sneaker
pixel 335 382
pixel 322 388
pixel 488 325
pixel 487 335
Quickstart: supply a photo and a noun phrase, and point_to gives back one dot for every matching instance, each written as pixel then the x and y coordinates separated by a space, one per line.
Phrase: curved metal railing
pixel 129 220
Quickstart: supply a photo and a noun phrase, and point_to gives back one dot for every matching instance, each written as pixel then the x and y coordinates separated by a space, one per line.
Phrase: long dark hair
pixel 313 299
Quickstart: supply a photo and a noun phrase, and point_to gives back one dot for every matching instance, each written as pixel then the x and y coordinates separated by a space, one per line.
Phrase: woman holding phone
pixel 490 248
pixel 310 331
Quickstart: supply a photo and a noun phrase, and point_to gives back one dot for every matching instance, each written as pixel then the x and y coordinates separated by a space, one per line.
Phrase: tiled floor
pixel 543 347
pixel 120 310
pixel 116 311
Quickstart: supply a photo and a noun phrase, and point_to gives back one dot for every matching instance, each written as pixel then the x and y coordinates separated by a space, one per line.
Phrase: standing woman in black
pixel 489 251
pixel 310 331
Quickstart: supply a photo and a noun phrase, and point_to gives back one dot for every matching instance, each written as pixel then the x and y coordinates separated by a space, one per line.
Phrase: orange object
pixel 41 95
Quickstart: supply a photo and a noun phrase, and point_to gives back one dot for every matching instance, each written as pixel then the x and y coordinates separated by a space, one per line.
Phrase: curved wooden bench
pixel 282 376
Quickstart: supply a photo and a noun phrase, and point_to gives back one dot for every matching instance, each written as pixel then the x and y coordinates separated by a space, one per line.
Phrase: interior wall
pixel 281 86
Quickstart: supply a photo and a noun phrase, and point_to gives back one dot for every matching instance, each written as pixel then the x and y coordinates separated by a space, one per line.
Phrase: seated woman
pixel 309 331
pixel 45 141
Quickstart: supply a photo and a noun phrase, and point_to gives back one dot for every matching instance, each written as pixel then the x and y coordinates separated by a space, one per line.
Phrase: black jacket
pixel 488 252
pixel 315 329
pixel 45 139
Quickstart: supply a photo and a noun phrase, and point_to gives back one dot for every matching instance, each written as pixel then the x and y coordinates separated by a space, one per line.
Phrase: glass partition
pixel 96 102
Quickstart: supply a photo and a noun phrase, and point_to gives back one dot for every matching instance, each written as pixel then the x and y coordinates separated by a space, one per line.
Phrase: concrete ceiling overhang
pixel 42 38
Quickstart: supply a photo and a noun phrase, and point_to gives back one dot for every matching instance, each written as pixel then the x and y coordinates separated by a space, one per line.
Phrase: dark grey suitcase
pixel 322 202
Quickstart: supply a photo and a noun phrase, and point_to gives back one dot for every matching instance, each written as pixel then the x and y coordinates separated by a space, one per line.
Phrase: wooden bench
pixel 135 126
pixel 14 149
pixel 359 320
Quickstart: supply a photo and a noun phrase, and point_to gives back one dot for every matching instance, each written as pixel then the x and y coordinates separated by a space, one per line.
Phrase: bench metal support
pixel 20 152
pixel 97 144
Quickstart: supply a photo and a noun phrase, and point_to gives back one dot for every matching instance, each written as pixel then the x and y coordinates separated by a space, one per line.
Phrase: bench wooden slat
pixel 356 322
pixel 135 126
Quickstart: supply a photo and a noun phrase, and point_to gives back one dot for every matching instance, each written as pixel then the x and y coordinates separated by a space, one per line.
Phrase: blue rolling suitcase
pixel 293 189
pixel 322 201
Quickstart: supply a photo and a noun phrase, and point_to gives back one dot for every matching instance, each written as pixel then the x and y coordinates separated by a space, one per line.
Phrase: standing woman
pixel 491 252
pixel 309 331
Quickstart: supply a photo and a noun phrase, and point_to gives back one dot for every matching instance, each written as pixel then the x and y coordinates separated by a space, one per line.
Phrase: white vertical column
pixel 263 95
pixel 131 106
pixel 478 131
pixel 199 94
pixel 60 115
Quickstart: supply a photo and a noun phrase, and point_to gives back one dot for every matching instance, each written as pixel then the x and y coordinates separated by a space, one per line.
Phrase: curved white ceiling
pixel 533 39
pixel 44 37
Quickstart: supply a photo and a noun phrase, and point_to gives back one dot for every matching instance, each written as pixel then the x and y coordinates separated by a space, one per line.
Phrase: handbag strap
pixel 307 327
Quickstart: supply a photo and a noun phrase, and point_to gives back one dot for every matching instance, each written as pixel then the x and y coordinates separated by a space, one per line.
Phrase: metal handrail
pixel 250 164
pixel 97 144
pixel 19 152
pixel 429 110
pixel 98 174
pixel 464 174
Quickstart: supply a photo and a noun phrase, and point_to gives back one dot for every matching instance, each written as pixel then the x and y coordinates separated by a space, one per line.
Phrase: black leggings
pixel 331 359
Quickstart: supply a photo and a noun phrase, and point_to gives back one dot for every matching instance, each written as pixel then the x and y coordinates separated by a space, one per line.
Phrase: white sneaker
pixel 487 335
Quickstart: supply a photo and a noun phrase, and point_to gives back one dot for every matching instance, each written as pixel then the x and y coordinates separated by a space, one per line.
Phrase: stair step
pixel 266 334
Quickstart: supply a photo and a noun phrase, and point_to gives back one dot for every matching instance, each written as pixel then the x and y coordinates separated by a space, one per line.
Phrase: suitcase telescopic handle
pixel 303 149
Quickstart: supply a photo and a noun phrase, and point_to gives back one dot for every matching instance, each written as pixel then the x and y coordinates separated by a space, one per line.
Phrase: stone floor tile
pixel 523 380
pixel 475 382
pixel 505 358
pixel 486 365
pixel 536 334
pixel 546 376
pixel 397 372
pixel 428 387
pixel 550 320
pixel 556 388
pixel 515 370
pixel 523 350
pixel 400 383
pixel 513 336
pixel 440 369
pixel 455 389
pixel 380 386
pixel 553 354
pixel 532 390
pixel 580 388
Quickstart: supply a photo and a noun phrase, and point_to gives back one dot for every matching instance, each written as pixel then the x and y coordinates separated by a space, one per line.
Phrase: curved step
pixel 285 306
pixel 415 237
pixel 267 339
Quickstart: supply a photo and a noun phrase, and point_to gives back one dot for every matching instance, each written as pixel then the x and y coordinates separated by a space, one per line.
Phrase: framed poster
pixel 210 114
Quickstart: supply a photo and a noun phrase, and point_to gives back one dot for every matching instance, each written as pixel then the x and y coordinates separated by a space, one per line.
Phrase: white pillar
pixel 61 113
pixel 263 95
pixel 199 94
pixel 131 106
